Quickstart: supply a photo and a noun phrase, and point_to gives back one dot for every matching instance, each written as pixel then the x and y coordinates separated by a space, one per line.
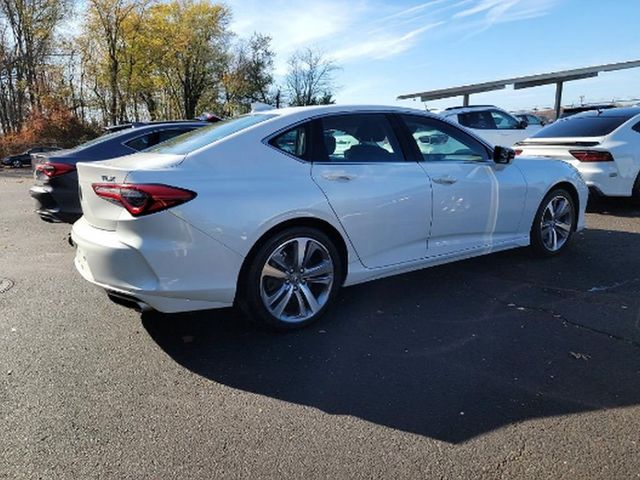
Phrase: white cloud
pixel 366 30
pixel 500 11
pixel 384 46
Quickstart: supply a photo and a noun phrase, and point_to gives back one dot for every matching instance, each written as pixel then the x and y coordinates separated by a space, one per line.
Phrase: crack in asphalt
pixel 563 318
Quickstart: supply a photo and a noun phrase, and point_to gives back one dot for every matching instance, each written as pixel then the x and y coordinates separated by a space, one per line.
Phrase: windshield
pixel 188 142
pixel 581 126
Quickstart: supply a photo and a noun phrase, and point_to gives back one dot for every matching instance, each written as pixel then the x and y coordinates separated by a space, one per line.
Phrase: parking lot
pixel 503 366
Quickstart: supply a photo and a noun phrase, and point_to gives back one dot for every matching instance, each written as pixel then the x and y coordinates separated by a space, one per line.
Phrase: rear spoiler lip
pixel 558 144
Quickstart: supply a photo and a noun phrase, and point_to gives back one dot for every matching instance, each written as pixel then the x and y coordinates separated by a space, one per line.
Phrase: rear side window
pixel 358 138
pixel 204 136
pixel 579 126
pixel 293 142
pixel 478 120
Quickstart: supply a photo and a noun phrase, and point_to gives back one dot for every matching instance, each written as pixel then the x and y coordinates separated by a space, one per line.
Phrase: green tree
pixel 249 74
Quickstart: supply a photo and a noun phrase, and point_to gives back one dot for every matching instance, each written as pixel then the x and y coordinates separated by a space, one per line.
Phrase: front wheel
pixel 554 223
pixel 17 164
pixel 292 279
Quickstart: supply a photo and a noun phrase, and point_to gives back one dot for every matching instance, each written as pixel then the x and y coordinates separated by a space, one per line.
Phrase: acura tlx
pixel 274 211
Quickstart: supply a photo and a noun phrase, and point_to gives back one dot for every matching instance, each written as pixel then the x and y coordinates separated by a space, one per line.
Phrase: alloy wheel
pixel 296 279
pixel 556 223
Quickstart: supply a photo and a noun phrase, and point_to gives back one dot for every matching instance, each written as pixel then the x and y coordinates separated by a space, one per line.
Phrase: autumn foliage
pixel 52 125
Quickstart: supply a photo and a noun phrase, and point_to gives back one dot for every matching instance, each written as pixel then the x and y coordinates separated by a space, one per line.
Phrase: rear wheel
pixel 554 223
pixel 292 279
pixel 17 164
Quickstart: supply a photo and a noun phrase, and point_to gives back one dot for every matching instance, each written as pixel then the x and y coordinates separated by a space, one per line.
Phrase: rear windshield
pixel 188 142
pixel 579 126
pixel 103 138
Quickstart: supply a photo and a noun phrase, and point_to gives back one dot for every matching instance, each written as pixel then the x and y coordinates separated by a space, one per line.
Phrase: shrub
pixel 53 125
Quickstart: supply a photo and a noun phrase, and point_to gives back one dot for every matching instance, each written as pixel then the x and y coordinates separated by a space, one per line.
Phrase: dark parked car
pixel 569 111
pixel 23 159
pixel 56 180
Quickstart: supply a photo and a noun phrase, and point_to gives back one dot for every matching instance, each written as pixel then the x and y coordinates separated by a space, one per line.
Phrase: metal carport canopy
pixel 524 82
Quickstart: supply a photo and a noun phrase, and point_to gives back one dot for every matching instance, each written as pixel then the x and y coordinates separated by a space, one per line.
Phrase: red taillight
pixel 518 151
pixel 592 155
pixel 54 169
pixel 142 199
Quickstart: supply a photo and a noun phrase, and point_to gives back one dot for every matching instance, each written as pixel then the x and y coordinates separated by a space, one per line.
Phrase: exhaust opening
pixel 128 301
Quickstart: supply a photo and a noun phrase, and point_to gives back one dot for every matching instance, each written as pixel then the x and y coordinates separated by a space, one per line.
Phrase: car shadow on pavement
pixel 614 206
pixel 450 352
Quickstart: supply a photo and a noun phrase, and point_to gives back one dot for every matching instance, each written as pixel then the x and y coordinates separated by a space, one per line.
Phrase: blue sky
pixel 390 48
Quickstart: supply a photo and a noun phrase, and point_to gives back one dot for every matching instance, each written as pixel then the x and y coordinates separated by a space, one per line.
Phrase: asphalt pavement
pixel 505 366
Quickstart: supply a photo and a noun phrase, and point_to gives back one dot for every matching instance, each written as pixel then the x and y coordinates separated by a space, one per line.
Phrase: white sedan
pixel 493 124
pixel 275 211
pixel 604 145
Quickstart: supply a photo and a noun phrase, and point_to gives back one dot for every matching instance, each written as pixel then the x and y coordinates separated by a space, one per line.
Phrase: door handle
pixel 445 180
pixel 338 176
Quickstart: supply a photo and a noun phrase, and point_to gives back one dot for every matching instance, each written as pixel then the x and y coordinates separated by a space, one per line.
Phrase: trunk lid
pixel 557 147
pixel 100 212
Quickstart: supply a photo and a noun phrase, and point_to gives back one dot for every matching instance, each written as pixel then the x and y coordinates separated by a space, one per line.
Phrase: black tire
pixel 635 193
pixel 249 297
pixel 538 244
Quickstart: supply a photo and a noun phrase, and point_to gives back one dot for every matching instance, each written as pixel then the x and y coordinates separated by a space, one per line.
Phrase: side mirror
pixel 503 155
pixel 522 124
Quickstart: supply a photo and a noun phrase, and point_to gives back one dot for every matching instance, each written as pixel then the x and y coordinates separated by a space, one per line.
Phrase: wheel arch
pixel 573 191
pixel 312 222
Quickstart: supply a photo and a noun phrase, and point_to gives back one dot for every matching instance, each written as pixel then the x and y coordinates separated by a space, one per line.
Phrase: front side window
pixel 533 120
pixel 504 121
pixel 438 141
pixel 294 141
pixel 358 138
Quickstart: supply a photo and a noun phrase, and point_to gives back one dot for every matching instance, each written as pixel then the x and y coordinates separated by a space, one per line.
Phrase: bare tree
pixel 309 79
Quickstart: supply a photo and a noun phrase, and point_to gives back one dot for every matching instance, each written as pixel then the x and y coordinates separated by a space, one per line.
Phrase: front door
pixel 476 203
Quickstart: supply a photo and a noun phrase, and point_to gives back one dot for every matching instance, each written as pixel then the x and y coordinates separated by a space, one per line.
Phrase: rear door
pixel 508 128
pixel 483 125
pixel 382 200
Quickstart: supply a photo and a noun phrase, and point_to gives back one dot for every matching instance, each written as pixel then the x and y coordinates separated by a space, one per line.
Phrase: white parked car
pixel 495 125
pixel 604 145
pixel 276 210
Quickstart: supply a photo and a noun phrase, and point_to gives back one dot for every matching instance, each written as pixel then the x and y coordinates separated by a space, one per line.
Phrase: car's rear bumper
pixel 165 264
pixel 49 208
pixel 605 178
